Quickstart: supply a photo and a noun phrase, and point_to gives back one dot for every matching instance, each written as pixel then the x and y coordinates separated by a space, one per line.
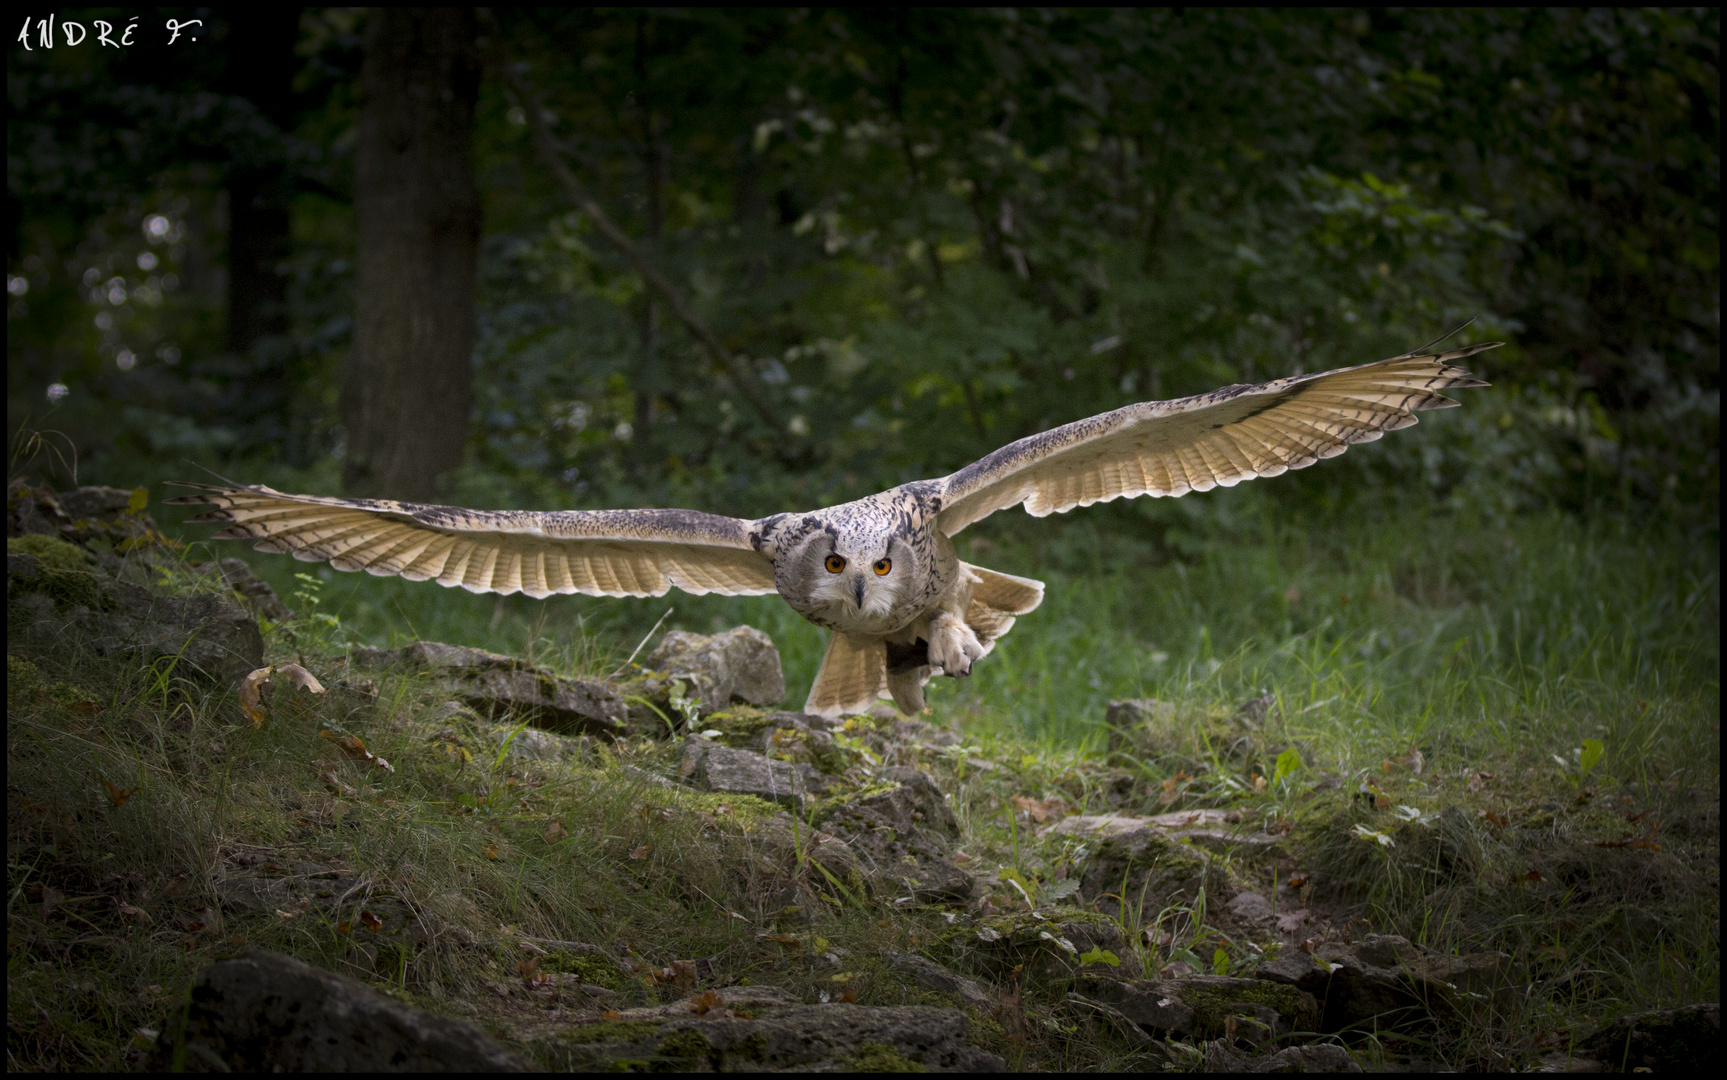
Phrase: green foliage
pixel 929 234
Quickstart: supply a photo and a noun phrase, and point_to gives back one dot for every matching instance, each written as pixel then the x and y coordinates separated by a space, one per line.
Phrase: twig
pixel 640 643
pixel 545 143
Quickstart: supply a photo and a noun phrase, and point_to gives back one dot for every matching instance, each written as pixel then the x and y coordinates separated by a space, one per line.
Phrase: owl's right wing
pixel 1200 442
pixel 597 552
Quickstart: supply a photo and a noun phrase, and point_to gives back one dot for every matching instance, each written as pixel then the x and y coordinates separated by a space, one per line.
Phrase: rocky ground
pixel 880 895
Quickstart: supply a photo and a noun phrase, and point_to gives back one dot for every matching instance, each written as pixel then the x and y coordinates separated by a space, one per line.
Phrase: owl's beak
pixel 859 591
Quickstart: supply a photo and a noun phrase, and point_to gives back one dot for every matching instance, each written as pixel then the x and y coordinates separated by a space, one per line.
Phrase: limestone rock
pixel 57 595
pixel 932 976
pixel 1250 907
pixel 1676 1040
pixel 532 744
pixel 1388 977
pixel 713 767
pixel 270 1013
pixel 903 836
pixel 1152 865
pixel 741 664
pixel 1049 943
pixel 1207 1006
pixel 1321 1058
pixel 497 686
pixel 797 1037
pixel 95 501
pixel 1128 722
pixel 79 515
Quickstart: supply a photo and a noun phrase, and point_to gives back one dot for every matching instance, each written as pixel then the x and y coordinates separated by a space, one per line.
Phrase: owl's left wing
pixel 597 552
pixel 1200 442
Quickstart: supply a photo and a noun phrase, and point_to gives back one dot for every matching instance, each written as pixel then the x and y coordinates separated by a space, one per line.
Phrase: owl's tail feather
pixel 852 676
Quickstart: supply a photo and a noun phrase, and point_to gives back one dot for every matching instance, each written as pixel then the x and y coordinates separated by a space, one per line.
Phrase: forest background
pixel 799 256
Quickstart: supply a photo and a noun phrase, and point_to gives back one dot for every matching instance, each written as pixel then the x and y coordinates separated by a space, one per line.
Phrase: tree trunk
pixel 408 383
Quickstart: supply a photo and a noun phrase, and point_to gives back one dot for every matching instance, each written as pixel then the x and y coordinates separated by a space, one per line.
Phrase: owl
pixel 880 574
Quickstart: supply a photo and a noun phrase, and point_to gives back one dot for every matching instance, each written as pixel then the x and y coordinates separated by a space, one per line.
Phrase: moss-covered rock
pixel 1202 1006
pixel 723 806
pixel 26 685
pixel 1145 869
pixel 903 837
pixel 818 1037
pixel 56 555
pixel 1214 999
pixel 595 970
pixel 64 572
pixel 1045 945
pixel 1680 1040
pixel 826 808
pixel 739 726
pixel 877 1058
pixel 612 1031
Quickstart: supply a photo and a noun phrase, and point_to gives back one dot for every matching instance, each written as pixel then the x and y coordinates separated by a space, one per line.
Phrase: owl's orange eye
pixel 835 564
pixel 882 566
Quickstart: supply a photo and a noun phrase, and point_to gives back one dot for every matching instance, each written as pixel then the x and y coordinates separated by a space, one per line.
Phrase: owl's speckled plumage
pixel 881 572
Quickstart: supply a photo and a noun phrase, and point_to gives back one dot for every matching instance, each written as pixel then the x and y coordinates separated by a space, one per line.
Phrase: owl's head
pixel 858 577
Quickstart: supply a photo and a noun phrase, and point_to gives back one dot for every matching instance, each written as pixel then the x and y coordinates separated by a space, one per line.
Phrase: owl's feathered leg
pixel 852 676
pixel 980 609
pixel 952 644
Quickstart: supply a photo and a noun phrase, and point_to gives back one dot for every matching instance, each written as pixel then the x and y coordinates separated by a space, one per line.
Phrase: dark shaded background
pixel 920 235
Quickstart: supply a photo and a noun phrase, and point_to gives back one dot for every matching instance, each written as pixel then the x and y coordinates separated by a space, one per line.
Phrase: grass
pixel 1493 650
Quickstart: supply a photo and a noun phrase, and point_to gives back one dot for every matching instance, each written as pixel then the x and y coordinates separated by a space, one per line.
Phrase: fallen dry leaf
pixel 344 928
pixel 300 677
pixel 848 996
pixel 1259 782
pixel 118 796
pixel 1171 788
pixel 131 912
pixel 641 852
pixel 492 851
pixel 1290 922
pixel 1496 819
pixel 787 940
pixel 702 1003
pixel 252 688
pixel 1041 810
pixel 1477 781
pixel 50 897
pixel 555 832
pixel 612 1015
pixel 334 783
pixel 355 750
pixel 252 694
pixel 1533 877
pixel 1278 828
pixel 88 708
pixel 1645 842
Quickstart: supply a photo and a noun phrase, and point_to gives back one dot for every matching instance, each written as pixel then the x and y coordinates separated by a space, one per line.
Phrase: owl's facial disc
pixel 858 577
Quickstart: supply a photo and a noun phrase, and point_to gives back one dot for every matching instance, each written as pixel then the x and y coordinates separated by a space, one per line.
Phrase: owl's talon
pixel 953 645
